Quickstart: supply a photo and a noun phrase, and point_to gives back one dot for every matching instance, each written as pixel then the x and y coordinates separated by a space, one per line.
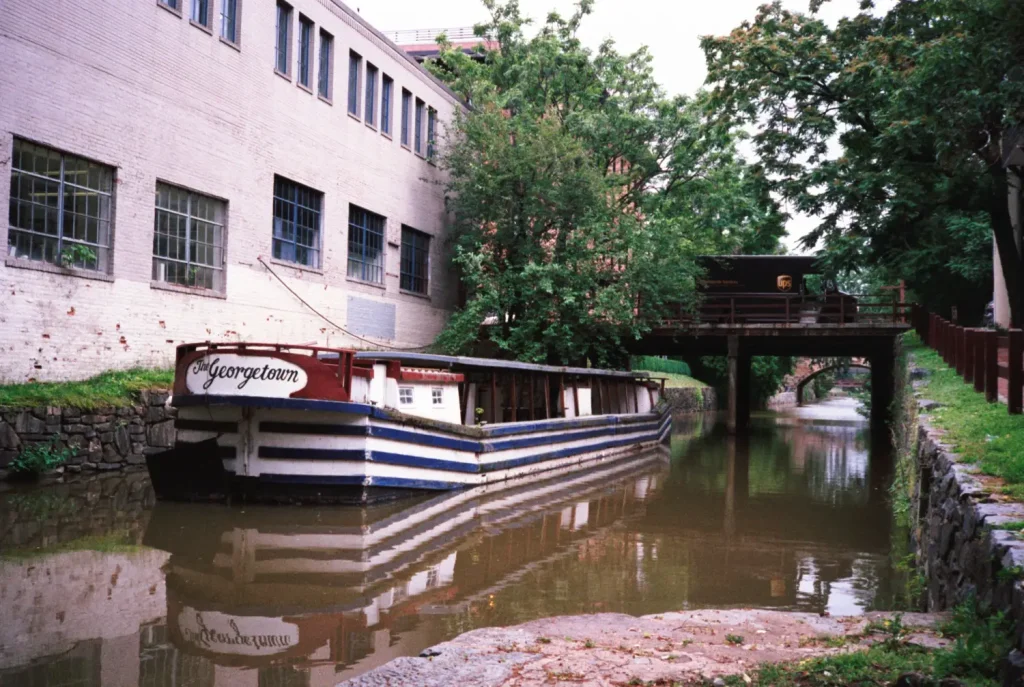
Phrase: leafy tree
pixel 581 192
pixel 888 128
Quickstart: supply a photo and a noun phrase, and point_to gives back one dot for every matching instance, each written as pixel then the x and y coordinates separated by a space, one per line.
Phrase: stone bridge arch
pixel 828 368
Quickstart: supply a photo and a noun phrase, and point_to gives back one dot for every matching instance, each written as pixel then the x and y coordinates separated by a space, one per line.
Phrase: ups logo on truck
pixel 784 282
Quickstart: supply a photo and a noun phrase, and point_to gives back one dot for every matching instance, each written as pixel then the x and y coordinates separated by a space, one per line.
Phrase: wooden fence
pixel 982 357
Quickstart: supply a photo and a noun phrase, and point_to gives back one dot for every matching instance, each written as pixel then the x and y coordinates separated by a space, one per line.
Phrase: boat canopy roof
pixel 466 363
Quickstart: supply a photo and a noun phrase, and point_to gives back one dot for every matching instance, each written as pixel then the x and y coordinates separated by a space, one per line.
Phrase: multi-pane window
pixel 405 395
pixel 60 208
pixel 415 261
pixel 386 88
pixel 355 64
pixel 284 29
pixel 296 222
pixel 365 245
pixel 188 238
pixel 371 94
pixel 173 4
pixel 326 59
pixel 406 105
pixel 437 396
pixel 305 51
pixel 201 12
pixel 229 20
pixel 418 124
pixel 431 131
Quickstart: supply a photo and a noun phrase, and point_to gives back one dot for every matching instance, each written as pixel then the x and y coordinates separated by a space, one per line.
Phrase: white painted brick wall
pixel 134 86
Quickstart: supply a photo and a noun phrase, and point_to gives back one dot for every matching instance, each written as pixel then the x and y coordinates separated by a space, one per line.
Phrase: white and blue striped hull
pixel 280 442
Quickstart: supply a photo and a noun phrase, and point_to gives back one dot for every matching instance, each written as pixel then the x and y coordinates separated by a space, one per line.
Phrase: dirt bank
pixel 612 649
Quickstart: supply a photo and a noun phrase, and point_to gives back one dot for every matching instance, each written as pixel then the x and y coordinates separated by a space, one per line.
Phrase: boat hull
pixel 287 450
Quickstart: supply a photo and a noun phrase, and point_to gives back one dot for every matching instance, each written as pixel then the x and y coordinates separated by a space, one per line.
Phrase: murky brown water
pixel 795 517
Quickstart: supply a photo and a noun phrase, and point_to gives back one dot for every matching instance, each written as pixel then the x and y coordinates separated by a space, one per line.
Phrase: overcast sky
pixel 670 28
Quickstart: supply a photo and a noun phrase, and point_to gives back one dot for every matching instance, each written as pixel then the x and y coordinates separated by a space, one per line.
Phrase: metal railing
pixel 838 309
pixel 418 36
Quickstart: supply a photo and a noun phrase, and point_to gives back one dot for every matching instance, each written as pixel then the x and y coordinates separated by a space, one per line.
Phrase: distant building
pixel 155 155
pixel 421 44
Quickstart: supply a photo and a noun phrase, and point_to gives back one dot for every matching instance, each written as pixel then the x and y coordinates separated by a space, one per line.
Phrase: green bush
pixel 42 457
pixel 651 363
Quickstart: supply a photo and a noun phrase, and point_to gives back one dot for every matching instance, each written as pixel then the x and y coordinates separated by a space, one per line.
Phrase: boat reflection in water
pixel 321 594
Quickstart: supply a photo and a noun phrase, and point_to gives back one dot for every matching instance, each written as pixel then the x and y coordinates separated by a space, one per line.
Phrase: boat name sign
pixel 243 636
pixel 228 374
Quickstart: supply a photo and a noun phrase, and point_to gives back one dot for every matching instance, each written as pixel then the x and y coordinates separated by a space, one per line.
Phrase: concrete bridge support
pixel 739 385
pixel 883 383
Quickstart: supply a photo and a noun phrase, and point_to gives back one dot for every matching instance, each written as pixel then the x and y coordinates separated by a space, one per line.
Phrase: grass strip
pixel 114 388
pixel 980 432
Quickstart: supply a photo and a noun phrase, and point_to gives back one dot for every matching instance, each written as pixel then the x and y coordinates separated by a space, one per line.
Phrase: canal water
pixel 100 585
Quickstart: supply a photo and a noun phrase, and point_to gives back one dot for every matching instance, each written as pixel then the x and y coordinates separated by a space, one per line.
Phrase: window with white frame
pixel 325 86
pixel 172 4
pixel 355 67
pixel 283 34
pixel 296 223
pixel 437 396
pixel 305 52
pixel 201 12
pixel 418 124
pixel 386 89
pixel 370 115
pixel 188 238
pixel 229 20
pixel 60 208
pixel 405 395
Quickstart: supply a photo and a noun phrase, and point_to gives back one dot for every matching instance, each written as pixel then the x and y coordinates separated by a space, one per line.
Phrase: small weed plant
pixel 735 640
pixel 36 459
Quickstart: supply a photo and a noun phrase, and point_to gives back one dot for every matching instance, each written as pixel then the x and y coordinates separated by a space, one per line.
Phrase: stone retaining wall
pixel 691 399
pixel 958 548
pixel 104 438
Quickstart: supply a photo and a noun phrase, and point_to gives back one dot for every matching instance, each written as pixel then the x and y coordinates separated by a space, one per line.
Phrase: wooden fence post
pixel 955 364
pixel 968 364
pixel 979 360
pixel 944 350
pixel 1015 377
pixel 991 365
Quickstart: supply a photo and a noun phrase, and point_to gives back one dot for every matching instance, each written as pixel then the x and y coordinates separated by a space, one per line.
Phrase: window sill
pixel 231 44
pixel 406 147
pixel 39 266
pixel 326 100
pixel 386 135
pixel 371 126
pixel 297 266
pixel 175 11
pixel 304 87
pixel 371 284
pixel 355 117
pixel 201 27
pixel 423 296
pixel 189 290
pixel 286 77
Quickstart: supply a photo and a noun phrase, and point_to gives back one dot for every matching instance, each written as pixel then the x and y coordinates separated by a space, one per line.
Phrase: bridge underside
pixel 878 343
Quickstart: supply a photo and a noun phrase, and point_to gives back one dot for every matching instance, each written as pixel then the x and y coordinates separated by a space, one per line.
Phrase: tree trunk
pixel 1008 243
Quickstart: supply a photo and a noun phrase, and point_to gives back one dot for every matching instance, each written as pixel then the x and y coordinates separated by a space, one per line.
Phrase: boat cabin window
pixel 405 395
pixel 437 395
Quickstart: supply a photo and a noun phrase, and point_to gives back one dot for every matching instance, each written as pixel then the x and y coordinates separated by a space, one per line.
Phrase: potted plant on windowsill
pixel 75 254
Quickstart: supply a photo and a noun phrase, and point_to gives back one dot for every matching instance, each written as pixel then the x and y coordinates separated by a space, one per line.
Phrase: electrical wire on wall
pixel 331 322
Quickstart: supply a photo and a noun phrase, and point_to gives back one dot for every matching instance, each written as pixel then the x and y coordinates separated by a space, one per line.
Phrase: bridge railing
pixel 839 309
pixel 992 361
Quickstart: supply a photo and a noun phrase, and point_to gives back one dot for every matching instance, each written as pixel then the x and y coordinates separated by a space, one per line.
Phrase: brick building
pixel 162 159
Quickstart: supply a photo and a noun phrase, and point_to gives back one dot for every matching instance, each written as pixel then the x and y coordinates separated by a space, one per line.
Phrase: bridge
pixel 842 383
pixel 767 306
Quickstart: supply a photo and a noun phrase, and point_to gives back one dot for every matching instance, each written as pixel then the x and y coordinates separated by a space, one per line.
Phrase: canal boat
pixel 275 422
